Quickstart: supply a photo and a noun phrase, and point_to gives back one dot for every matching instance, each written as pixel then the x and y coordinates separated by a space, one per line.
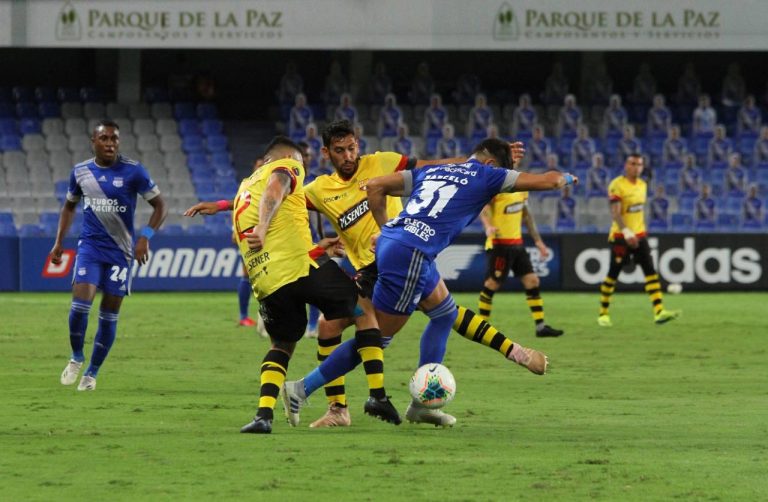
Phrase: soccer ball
pixel 675 288
pixel 433 386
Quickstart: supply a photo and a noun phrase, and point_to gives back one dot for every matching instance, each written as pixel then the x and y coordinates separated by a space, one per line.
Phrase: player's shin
pixel 102 342
pixel 273 370
pixel 369 347
pixel 435 335
pixel 473 327
pixel 334 390
pixel 78 324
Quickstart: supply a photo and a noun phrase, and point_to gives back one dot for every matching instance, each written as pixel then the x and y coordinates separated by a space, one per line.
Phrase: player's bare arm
pixel 553 180
pixel 207 208
pixel 66 216
pixel 160 211
pixel 530 224
pixel 378 189
pixel 485 219
pixel 278 188
pixel 629 235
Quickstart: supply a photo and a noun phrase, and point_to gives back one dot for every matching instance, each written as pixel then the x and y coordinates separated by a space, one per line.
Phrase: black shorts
pixel 326 287
pixel 366 280
pixel 623 256
pixel 502 259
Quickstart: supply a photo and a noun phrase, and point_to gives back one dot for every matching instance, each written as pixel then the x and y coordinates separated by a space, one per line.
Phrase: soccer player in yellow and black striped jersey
pixel 627 195
pixel 272 228
pixel 503 221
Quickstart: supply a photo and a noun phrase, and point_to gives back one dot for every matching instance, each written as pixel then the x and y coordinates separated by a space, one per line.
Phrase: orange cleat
pixel 247 321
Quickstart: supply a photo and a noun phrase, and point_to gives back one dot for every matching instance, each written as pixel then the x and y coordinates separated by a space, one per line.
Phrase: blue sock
pixel 314 315
pixel 244 293
pixel 105 336
pixel 336 365
pixel 435 335
pixel 78 324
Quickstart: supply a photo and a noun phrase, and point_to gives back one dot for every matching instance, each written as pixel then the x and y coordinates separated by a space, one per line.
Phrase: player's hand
pixel 490 232
pixel 630 238
pixel 205 208
pixel 256 237
pixel 374 240
pixel 543 249
pixel 517 150
pixel 141 252
pixel 56 253
pixel 333 246
pixel 632 242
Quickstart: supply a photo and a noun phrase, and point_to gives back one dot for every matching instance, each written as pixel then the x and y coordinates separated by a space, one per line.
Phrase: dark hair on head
pixel 106 123
pixel 636 156
pixel 281 142
pixel 496 148
pixel 337 130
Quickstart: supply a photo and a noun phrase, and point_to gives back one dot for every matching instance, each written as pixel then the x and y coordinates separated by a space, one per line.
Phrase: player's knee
pixel 492 284
pixel 531 281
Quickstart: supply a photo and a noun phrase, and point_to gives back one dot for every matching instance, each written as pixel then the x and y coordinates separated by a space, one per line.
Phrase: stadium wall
pixel 577 262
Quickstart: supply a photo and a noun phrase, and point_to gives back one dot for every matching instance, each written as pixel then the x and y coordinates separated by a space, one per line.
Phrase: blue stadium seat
pixel 7 229
pixel 212 126
pixel 26 109
pixel 49 229
pixel 565 226
pixel 184 110
pixel 172 229
pixel 31 230
pixel 8 126
pixel 681 222
pixel 10 142
pixel 91 95
pixel 220 158
pixel 7 110
pixel 728 222
pixel 189 127
pixel 45 94
pixel 197 160
pixel 705 225
pixel 68 94
pixel 49 218
pixel 6 218
pixel 217 143
pixel 193 144
pixel 22 93
pixel 30 126
pixel 208 111
pixel 60 189
pixel 49 109
pixel 198 230
pixel 658 226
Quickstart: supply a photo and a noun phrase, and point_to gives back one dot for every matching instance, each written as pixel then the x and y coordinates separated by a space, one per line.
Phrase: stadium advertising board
pixel 175 264
pixel 462 265
pixel 428 25
pixel 9 257
pixel 703 262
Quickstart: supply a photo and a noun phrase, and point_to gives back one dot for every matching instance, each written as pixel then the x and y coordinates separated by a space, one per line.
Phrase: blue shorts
pixel 406 275
pixel 108 274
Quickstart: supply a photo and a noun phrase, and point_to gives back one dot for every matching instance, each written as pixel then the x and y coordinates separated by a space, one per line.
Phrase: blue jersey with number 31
pixel 445 199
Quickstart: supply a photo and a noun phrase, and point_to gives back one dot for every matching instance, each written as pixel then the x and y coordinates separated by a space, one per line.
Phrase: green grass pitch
pixel 634 412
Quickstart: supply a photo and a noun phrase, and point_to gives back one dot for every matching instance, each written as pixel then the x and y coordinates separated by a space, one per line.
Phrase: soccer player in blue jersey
pixel 108 184
pixel 443 199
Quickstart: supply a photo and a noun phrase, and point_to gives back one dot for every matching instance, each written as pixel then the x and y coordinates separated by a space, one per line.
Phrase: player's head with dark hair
pixel 105 123
pixel 341 148
pixel 282 147
pixel 633 165
pixel 496 149
pixel 336 130
pixel 105 141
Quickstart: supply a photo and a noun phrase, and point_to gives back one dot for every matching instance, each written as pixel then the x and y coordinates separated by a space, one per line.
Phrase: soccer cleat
pixel 336 416
pixel 535 361
pixel 666 316
pixel 258 426
pixel 382 409
pixel 87 383
pixel 549 331
pixel 418 414
pixel 604 321
pixel 247 322
pixel 310 332
pixel 293 399
pixel 71 372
